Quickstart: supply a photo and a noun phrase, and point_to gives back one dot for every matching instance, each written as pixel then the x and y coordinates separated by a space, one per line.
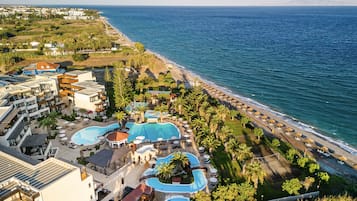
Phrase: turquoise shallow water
pixel 152 131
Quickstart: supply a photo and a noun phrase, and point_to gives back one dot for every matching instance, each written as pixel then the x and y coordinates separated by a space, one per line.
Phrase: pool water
pixel 178 198
pixel 152 131
pixel 90 135
pixel 199 179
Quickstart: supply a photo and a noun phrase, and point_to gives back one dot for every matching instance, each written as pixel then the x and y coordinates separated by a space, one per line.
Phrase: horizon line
pixel 188 5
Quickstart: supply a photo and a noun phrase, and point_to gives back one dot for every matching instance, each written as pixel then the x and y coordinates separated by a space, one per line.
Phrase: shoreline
pixel 191 79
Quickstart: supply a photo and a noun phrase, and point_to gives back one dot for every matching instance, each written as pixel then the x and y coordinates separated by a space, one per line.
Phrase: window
pixel 91 197
pixel 89 185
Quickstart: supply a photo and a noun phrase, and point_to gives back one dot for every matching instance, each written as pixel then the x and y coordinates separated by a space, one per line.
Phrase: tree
pixel 308 182
pixel 254 173
pixel 142 110
pixel 246 192
pixel 323 176
pixel 180 161
pixel 275 143
pixel 140 87
pixel 313 167
pixel 120 116
pixel 302 161
pixel 290 155
pixel 243 152
pixel 165 171
pixel 121 85
pixel 233 114
pixel 224 133
pixel 344 197
pixel 49 121
pixel 211 143
pixel 178 104
pixel 222 112
pixel 202 196
pixel 140 47
pixel 259 133
pixel 244 121
pixel 292 186
pixel 107 75
pixel 226 193
pixel 161 109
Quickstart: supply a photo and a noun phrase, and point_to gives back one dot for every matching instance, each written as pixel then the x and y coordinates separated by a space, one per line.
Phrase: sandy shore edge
pixel 191 79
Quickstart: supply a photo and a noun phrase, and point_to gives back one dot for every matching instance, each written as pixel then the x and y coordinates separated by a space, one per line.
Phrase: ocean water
pixel 299 61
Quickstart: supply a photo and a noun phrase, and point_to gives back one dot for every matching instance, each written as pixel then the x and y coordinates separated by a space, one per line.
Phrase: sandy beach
pixel 296 136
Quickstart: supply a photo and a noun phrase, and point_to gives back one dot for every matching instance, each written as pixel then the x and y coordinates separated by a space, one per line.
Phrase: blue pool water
pixel 89 135
pixel 152 131
pixel 199 183
pixel 178 198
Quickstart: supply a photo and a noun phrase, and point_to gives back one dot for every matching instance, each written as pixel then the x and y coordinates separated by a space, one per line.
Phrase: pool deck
pixel 132 171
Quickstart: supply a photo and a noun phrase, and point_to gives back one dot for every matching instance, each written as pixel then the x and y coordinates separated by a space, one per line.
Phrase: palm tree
pixel 180 160
pixel 222 112
pixel 244 120
pixel 161 109
pixel 198 123
pixel 120 116
pixel 214 123
pixel 292 186
pixel 211 143
pixel 209 112
pixel 254 173
pixel 243 152
pixel 232 147
pixel 142 110
pixel 165 171
pixel 233 114
pixel 259 133
pixel 178 104
pixel 49 121
pixel 140 87
pixel 224 133
pixel 302 161
pixel 202 110
pixel 202 196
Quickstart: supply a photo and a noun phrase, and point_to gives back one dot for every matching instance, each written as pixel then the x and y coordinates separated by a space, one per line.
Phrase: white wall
pixel 83 101
pixel 85 76
pixel 70 187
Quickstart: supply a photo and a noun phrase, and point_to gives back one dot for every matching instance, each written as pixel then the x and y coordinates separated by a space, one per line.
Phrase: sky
pixel 185 2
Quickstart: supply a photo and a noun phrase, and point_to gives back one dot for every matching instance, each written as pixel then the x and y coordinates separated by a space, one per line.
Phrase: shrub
pixel 80 57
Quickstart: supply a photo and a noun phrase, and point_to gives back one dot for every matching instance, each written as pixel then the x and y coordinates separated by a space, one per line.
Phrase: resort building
pixel 40 68
pixel 13 128
pixel 23 178
pixel 34 97
pixel 91 97
pixel 66 81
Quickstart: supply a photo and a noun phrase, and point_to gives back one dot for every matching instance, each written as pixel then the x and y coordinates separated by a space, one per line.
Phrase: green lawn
pixel 227 168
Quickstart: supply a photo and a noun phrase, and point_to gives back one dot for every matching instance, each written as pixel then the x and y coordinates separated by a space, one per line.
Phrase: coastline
pixel 190 79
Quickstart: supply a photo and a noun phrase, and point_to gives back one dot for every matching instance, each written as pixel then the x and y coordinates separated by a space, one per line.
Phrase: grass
pixel 226 167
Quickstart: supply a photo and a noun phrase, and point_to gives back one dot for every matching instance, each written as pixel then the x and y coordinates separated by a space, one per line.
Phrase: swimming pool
pixel 152 131
pixel 199 179
pixel 178 198
pixel 89 135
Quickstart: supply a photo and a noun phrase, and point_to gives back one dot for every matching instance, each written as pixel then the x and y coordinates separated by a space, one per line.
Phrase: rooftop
pixel 101 158
pixel 34 140
pixel 138 192
pixel 117 136
pixel 36 174
pixel 76 72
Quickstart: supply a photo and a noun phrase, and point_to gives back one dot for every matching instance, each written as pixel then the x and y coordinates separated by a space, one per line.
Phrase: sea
pixel 300 62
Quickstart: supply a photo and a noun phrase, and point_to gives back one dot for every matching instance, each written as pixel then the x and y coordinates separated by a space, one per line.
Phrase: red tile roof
pixel 117 136
pixel 46 66
pixel 138 192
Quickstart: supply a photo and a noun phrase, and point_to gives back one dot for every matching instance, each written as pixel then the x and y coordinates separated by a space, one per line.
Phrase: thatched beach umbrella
pixel 342 158
pixel 324 149
pixel 257 114
pixel 272 122
pixel 250 110
pixel 289 130
pixel 355 166
pixel 264 118
pixel 280 125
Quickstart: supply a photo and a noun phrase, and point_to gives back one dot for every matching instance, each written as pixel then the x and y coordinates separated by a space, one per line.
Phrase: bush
pixel 80 57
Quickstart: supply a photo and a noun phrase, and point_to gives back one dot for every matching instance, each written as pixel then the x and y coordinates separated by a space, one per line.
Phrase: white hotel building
pixel 22 178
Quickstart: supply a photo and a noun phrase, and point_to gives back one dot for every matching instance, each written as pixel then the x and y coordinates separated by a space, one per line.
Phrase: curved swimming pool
pixel 91 134
pixel 199 179
pixel 152 131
